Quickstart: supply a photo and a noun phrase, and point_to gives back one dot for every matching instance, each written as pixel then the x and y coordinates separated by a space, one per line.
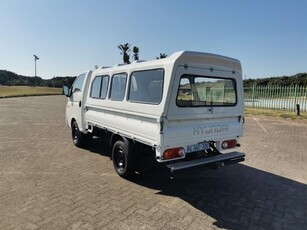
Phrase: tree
pixel 125 52
pixel 136 53
pixel 162 55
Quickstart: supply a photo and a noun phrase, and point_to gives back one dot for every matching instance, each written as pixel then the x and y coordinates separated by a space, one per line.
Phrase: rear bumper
pixel 207 162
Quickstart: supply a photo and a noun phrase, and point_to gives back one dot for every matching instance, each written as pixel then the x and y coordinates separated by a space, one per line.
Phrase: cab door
pixel 75 105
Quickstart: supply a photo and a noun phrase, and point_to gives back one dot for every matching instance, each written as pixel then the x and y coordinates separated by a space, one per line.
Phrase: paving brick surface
pixel 48 183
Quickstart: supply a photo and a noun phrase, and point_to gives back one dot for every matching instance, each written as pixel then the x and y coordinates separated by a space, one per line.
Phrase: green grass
pixel 19 91
pixel 276 113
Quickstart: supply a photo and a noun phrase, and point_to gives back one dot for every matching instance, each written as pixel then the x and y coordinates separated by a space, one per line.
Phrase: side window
pixel 77 86
pixel 146 86
pixel 104 87
pixel 118 87
pixel 100 87
pixel 96 85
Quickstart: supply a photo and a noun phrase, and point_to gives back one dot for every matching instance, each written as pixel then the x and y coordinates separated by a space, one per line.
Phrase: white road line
pixel 261 126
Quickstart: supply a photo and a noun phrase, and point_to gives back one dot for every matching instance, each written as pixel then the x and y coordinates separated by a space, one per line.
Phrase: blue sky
pixel 70 36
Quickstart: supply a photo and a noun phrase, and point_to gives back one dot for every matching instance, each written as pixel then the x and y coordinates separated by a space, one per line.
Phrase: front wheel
pixel 80 139
pixel 123 159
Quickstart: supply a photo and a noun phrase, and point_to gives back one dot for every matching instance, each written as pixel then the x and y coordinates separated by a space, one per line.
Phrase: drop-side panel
pixel 139 127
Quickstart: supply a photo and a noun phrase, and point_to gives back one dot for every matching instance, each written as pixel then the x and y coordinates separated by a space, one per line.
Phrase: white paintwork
pixel 181 126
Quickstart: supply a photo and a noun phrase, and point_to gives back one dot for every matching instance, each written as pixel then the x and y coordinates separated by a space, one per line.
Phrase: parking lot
pixel 48 183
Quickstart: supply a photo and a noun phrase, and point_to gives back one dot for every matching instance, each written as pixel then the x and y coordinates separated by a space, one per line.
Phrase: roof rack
pixel 121 64
pixel 139 61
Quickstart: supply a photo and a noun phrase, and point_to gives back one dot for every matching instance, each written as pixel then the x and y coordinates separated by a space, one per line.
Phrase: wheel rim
pixel 75 132
pixel 120 160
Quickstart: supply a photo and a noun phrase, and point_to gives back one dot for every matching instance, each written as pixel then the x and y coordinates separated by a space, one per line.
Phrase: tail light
pixel 229 144
pixel 173 153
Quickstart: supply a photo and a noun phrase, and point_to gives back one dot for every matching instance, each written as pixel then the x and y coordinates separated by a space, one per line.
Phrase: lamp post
pixel 35 58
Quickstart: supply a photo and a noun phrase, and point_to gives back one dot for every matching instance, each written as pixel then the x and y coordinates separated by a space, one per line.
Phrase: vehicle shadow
pixel 99 146
pixel 237 196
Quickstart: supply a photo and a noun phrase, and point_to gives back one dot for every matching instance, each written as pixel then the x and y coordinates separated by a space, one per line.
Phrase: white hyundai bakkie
pixel 187 110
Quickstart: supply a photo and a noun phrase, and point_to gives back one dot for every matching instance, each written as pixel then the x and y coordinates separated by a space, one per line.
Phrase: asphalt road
pixel 48 183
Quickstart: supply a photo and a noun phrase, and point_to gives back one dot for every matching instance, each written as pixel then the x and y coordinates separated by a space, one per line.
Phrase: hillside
pixel 12 79
pixel 297 79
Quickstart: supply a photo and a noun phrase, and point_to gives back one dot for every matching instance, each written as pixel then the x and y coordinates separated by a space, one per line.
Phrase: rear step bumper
pixel 208 162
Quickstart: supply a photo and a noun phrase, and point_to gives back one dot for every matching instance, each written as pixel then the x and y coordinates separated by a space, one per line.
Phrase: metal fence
pixel 276 97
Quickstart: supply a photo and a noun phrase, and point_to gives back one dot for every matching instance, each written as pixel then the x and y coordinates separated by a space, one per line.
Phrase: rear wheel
pixel 123 159
pixel 80 139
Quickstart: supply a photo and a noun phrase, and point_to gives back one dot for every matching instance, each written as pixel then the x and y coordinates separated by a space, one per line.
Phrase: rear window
pixel 196 91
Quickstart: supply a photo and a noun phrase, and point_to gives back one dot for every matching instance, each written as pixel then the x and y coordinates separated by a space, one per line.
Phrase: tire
pixel 79 139
pixel 123 159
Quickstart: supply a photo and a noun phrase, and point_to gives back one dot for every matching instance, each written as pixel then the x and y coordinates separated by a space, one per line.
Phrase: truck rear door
pixel 206 105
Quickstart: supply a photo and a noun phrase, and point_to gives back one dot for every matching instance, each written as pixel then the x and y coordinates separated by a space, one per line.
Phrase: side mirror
pixel 66 91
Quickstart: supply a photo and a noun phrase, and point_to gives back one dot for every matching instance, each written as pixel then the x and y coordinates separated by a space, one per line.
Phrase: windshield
pixel 206 91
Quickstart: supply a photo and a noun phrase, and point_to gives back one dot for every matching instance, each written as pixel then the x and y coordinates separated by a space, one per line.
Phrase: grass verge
pixel 21 91
pixel 276 113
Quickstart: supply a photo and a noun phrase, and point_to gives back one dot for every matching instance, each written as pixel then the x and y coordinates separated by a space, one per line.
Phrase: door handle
pixel 79 103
